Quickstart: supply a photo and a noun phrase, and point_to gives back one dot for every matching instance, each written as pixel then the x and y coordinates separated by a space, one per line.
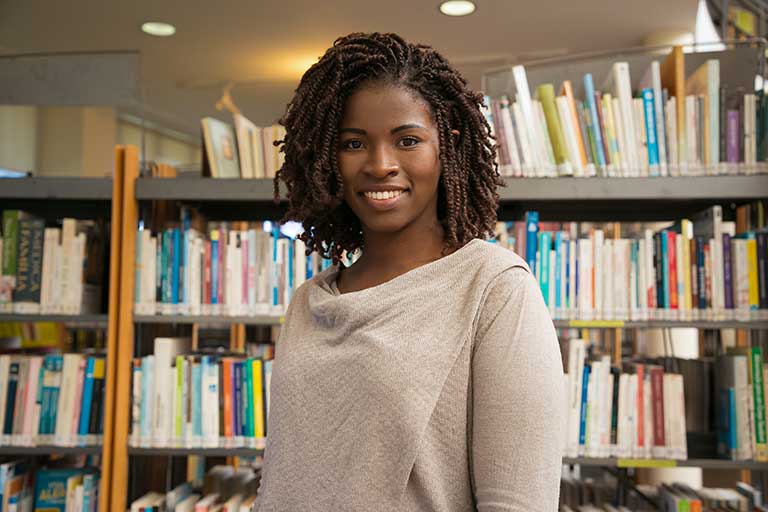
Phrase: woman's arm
pixel 518 402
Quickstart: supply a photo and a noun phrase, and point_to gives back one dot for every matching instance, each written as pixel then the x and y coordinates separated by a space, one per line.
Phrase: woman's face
pixel 389 159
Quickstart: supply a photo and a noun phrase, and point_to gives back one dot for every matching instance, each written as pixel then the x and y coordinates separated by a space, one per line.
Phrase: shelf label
pixel 586 324
pixel 646 463
pixel 281 320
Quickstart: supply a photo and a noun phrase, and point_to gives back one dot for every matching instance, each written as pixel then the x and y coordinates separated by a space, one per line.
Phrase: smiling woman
pixel 420 377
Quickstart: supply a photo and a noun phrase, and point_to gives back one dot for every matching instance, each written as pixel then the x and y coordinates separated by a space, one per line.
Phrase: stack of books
pixel 52 400
pixel 669 125
pixel 226 489
pixel 598 495
pixel 220 268
pixel 24 487
pixel 702 269
pixel 171 385
pixel 637 413
pixel 51 270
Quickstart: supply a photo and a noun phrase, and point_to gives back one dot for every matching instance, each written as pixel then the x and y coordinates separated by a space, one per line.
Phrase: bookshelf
pixel 67 189
pixel 207 319
pixel 610 199
pixel 49 449
pixel 96 320
pixel 202 452
pixel 668 463
pixel 79 198
pixel 596 199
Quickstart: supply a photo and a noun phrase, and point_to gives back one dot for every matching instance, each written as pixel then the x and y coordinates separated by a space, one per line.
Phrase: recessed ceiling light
pixel 457 8
pixel 157 28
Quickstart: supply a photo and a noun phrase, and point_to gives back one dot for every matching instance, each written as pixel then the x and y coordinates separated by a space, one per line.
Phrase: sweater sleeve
pixel 518 402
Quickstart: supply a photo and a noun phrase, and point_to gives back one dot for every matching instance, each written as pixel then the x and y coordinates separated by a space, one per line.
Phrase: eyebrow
pixel 393 130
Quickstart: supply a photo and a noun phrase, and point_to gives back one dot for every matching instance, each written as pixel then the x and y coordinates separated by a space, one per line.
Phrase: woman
pixel 427 375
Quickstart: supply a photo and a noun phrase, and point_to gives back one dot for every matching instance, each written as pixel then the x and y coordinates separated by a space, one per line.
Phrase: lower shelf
pixel 48 450
pixel 206 452
pixel 663 463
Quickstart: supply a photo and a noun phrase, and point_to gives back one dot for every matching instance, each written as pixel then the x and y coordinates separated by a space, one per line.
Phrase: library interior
pixel 501 256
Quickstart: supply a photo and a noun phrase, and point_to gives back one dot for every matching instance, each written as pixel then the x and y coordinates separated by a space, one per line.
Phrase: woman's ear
pixel 455 133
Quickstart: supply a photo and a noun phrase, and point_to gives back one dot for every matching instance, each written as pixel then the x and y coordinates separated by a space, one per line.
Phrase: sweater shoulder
pixel 508 280
pixel 494 259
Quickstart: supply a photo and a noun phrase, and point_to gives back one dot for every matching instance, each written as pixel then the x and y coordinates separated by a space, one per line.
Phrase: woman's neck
pixel 388 255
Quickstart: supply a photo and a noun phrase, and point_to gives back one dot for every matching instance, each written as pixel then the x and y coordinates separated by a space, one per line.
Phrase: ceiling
pixel 264 45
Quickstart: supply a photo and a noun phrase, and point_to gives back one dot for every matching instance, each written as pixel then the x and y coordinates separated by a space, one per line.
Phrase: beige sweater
pixel 440 390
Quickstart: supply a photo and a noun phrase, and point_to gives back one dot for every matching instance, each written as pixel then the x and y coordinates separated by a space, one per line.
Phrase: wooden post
pixel 122 407
pixel 112 310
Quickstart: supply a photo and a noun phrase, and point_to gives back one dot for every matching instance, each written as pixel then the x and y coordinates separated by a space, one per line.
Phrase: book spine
pixel 10 401
pixel 543 274
pixel 583 415
pixel 672 258
pixel 248 430
pixel 237 417
pixel 589 94
pixel 727 271
pixel 214 265
pixel 762 269
pixel 723 124
pixel 85 410
pixel 701 273
pixel 532 229
pixel 227 392
pixel 657 392
pixel 733 135
pixel 602 126
pixel 135 402
pixel 9 257
pixel 759 408
pixel 754 294
pixel 29 266
pixel 650 131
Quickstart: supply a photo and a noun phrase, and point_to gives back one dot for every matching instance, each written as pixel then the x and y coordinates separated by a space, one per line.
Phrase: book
pixel 220 152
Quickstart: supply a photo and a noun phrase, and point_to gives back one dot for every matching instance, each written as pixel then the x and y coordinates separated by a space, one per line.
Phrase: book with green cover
pixel 545 93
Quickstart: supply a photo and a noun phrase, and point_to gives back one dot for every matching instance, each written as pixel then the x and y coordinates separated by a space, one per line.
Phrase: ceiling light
pixel 157 28
pixel 457 8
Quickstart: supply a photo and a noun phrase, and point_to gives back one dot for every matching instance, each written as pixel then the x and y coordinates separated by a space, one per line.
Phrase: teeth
pixel 389 194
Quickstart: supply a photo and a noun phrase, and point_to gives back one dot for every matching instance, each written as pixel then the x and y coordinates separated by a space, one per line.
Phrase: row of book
pixel 247 151
pixel 599 495
pixel 50 270
pixel 220 269
pixel 689 270
pixel 52 400
pixel 644 411
pixel 660 129
pixel 170 386
pixel 225 489
pixel 26 488
pixel 638 413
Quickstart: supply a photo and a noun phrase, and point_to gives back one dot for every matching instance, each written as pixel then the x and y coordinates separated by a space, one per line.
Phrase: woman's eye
pixel 352 144
pixel 409 141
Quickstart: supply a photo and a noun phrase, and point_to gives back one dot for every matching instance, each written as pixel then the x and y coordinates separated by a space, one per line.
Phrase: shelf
pixel 75 189
pixel 207 452
pixel 46 450
pixel 618 199
pixel 626 199
pixel 205 189
pixel 659 463
pixel 621 324
pixel 97 319
pixel 560 324
pixel 209 319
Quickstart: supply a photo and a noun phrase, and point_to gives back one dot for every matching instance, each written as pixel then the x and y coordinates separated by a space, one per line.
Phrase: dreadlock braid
pixel 467 197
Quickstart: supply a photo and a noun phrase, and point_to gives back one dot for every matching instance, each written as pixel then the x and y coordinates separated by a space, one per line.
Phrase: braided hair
pixel 467 197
